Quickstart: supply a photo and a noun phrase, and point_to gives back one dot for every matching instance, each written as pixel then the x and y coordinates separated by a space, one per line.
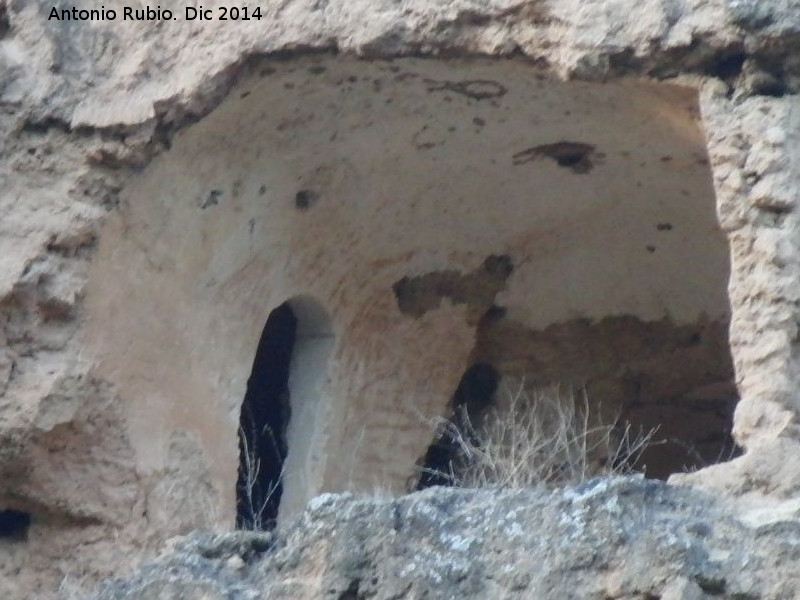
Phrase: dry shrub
pixel 540 437
pixel 253 500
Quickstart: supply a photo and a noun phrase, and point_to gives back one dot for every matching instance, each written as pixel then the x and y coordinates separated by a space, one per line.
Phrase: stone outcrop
pixel 520 183
pixel 612 539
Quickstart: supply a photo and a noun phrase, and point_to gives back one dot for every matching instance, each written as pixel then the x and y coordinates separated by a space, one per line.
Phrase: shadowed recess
pixel 263 422
pixel 14 525
pixel 475 393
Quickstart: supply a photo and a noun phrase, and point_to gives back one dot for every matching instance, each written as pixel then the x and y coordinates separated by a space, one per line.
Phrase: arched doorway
pixel 278 468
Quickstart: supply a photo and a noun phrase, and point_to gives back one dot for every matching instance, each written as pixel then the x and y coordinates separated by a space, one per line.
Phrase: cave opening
pixel 474 394
pixel 672 382
pixel 279 458
pixel 631 380
pixel 397 178
pixel 262 426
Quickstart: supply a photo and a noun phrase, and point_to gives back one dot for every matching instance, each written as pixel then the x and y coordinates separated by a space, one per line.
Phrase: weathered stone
pixel 166 185
pixel 615 539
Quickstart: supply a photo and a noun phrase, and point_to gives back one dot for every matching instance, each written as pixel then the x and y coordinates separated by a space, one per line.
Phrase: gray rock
pixel 608 538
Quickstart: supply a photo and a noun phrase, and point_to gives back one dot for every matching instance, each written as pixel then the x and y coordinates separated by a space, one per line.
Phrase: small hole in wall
pixel 728 67
pixel 475 393
pixel 305 199
pixel 768 85
pixel 569 159
pixel 14 525
pixel 263 422
pixel 579 157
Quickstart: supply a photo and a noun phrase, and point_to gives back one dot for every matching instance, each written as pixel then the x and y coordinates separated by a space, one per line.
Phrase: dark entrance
pixel 475 393
pixel 263 422
pixel 14 525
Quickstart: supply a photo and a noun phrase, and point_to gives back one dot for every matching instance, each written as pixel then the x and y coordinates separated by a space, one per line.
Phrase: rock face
pixel 579 193
pixel 417 251
pixel 610 539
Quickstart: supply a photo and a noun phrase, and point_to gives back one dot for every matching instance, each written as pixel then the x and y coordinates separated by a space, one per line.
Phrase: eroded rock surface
pixel 108 456
pixel 611 539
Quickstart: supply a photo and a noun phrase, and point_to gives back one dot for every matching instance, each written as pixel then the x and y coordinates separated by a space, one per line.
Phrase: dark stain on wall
pixel 212 199
pixel 579 157
pixel 477 290
pixel 5 23
pixel 305 199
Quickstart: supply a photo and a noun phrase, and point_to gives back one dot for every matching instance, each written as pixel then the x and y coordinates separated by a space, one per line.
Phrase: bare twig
pixel 255 500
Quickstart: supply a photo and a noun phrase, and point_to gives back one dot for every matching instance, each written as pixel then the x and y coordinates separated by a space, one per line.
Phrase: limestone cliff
pixel 597 194
pixel 607 539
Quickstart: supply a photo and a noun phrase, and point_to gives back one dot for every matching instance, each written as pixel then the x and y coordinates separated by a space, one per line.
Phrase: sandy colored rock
pixel 139 258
